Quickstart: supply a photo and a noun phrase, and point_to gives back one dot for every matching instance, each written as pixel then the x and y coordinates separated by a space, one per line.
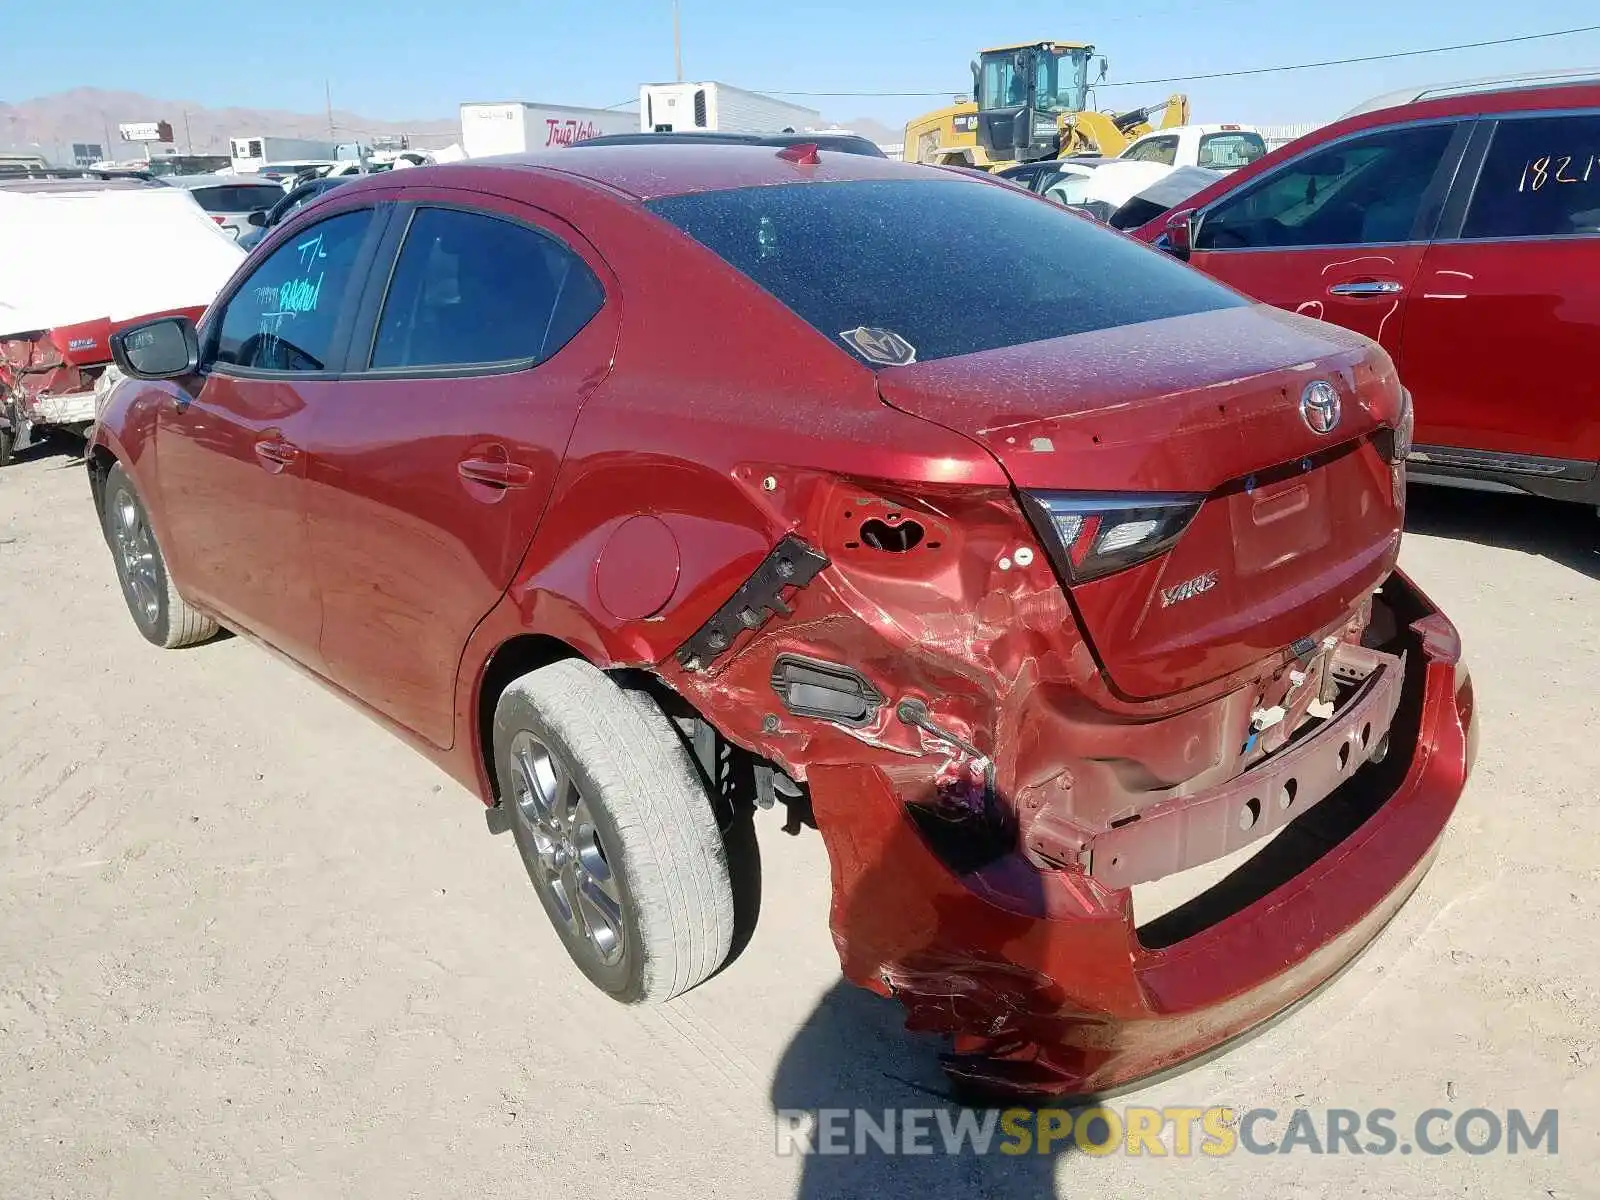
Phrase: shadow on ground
pixel 1568 534
pixel 853 1053
pixel 63 451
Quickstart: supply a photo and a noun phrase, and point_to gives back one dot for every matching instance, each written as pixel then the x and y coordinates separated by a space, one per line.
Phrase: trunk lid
pixel 1295 527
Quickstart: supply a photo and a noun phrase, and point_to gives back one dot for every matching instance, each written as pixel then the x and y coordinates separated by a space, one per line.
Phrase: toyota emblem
pixel 1319 407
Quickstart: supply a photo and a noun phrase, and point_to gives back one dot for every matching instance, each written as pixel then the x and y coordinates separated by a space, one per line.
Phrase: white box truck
pixel 515 126
pixel 670 107
pixel 250 154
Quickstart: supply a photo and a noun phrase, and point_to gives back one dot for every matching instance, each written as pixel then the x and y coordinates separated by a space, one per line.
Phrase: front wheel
pixel 161 614
pixel 616 831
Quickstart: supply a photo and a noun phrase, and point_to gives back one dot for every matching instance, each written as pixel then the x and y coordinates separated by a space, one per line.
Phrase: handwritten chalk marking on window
pixel 311 250
pixel 300 296
pixel 1536 172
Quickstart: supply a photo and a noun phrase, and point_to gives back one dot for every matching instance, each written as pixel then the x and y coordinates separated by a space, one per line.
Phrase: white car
pixel 1125 194
pixel 1216 147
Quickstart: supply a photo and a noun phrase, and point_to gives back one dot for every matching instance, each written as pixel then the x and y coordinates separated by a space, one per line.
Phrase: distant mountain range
pixel 50 125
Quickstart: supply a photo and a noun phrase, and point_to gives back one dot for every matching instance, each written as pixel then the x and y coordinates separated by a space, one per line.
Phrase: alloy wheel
pixel 572 867
pixel 136 551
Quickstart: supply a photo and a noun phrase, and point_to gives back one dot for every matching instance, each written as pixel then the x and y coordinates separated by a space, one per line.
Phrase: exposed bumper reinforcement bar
pixel 1187 832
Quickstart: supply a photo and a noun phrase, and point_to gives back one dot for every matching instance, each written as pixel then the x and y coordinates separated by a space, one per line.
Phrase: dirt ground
pixel 250 946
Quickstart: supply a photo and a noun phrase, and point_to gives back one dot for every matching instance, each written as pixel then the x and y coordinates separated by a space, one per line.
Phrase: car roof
pixel 67 184
pixel 1486 85
pixel 847 141
pixel 1087 161
pixel 647 172
pixel 1229 127
pixel 323 183
pixel 204 181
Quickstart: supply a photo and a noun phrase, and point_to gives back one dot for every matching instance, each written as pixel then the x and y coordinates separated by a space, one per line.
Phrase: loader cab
pixel 1022 90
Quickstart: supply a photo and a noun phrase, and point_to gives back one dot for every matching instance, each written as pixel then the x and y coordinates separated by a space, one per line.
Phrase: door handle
pixel 280 454
pixel 1367 287
pixel 495 474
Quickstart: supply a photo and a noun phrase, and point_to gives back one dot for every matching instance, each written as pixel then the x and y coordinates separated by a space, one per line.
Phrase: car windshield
pixel 1058 79
pixel 1005 267
pixel 236 197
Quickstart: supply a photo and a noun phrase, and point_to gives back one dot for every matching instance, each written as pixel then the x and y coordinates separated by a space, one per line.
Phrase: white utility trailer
pixel 671 107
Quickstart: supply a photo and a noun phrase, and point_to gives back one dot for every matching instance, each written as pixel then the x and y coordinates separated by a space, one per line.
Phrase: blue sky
pixel 398 59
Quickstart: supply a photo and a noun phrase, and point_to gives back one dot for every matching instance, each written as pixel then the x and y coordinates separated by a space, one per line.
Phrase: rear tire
pixel 161 614
pixel 8 443
pixel 616 831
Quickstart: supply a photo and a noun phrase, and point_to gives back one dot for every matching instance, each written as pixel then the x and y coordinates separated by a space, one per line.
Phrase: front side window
pixel 1163 150
pixel 282 317
pixel 1541 179
pixel 471 289
pixel 1004 270
pixel 1363 190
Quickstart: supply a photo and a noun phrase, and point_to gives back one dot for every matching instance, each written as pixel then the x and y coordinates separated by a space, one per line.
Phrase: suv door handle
pixel 1367 287
pixel 495 474
pixel 280 454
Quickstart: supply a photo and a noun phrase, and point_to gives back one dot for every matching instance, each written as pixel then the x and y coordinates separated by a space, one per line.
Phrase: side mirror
pixel 1178 234
pixel 257 218
pixel 163 349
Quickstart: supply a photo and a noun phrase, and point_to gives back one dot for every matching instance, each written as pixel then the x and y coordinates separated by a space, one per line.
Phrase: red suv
pixel 1460 230
pixel 639 485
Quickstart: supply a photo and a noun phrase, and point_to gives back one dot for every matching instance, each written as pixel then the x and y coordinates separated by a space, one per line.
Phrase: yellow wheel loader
pixel 1030 102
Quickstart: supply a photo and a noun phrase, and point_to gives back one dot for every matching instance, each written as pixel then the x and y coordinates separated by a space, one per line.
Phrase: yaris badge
pixel 1188 589
pixel 1319 407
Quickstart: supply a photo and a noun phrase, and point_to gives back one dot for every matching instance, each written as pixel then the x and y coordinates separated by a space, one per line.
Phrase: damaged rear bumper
pixel 1041 975
pixel 1188 832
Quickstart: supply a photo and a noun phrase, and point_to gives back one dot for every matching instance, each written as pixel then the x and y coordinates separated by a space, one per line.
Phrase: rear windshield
pixel 940 265
pixel 1229 151
pixel 231 198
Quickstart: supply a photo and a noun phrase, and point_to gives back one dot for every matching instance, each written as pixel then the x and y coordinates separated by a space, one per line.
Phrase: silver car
pixel 229 199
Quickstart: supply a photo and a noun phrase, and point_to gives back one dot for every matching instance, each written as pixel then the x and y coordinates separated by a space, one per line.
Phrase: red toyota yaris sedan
pixel 637 484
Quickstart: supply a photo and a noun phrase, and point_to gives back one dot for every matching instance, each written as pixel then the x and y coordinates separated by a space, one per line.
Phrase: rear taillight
pixel 1090 535
pixel 220 220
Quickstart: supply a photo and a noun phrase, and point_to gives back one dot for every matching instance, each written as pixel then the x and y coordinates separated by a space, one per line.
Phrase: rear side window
pixel 471 289
pixel 1541 179
pixel 234 198
pixel 282 317
pixel 1230 151
pixel 940 265
pixel 1363 190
